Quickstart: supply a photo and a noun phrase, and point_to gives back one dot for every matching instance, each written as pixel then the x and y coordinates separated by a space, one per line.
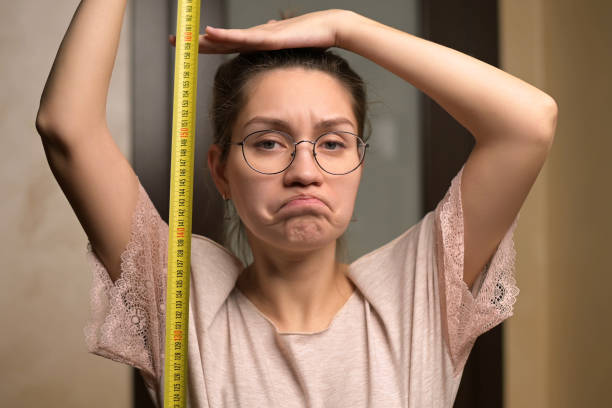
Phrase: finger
pixel 249 39
pixel 172 37
pixel 224 34
pixel 209 46
pixel 253 36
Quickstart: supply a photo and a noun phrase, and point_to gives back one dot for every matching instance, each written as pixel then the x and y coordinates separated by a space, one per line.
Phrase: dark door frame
pixel 469 26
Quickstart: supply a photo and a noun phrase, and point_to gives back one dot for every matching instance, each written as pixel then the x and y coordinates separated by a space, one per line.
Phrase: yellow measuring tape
pixel 181 200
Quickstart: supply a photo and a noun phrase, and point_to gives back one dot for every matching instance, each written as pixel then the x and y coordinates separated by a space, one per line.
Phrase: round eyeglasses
pixel 272 151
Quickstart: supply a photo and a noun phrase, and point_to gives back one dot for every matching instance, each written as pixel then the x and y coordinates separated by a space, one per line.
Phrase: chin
pixel 302 233
pixel 309 233
pixel 305 232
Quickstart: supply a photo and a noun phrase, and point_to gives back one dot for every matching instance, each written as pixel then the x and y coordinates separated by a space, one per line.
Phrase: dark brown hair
pixel 229 98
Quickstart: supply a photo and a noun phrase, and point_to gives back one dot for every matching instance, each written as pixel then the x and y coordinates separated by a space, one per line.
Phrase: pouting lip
pixel 302 197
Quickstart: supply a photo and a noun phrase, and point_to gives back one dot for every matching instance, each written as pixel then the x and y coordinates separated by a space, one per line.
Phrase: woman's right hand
pixel 318 29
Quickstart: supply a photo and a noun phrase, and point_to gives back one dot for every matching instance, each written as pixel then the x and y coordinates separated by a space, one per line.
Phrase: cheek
pixel 249 191
pixel 347 193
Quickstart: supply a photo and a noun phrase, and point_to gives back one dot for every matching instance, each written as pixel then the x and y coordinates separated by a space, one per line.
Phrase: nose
pixel 304 169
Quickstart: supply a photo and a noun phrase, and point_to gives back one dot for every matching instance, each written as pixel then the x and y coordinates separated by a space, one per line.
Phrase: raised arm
pixel 95 177
pixel 513 122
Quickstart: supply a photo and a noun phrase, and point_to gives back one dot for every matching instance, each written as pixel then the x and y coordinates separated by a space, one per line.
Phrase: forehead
pixel 297 96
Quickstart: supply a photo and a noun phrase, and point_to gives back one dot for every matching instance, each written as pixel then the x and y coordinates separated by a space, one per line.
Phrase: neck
pixel 298 292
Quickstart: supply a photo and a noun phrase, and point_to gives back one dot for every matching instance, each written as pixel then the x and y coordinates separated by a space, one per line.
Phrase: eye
pixel 267 144
pixel 330 145
pixel 333 142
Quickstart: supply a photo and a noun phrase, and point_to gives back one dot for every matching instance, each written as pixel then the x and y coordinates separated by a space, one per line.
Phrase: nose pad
pixel 310 150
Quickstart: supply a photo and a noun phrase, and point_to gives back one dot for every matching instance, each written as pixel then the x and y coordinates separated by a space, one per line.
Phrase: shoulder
pixel 206 253
pixel 409 241
pixel 214 271
pixel 393 266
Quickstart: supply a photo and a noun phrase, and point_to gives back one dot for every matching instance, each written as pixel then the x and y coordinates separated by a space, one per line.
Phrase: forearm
pixel 74 97
pixel 490 103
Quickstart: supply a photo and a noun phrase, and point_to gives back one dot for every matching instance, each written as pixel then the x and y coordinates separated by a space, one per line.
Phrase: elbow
pixel 44 124
pixel 54 133
pixel 49 126
pixel 59 127
pixel 547 122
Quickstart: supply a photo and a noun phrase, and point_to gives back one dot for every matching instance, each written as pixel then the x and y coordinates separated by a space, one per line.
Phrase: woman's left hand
pixel 318 29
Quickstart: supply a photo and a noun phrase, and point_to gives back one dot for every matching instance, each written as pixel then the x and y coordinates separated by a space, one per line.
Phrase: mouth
pixel 303 200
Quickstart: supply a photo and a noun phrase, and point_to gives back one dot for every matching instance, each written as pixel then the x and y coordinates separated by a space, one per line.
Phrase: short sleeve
pixel 127 317
pixel 468 314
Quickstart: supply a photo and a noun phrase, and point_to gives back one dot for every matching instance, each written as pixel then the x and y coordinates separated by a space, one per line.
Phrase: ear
pixel 217 170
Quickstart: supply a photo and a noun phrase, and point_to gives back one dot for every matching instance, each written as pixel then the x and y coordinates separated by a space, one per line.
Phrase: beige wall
pixel 44 290
pixel 557 346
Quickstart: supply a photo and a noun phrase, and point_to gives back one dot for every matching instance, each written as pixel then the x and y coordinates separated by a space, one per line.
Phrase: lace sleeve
pixel 128 318
pixel 471 313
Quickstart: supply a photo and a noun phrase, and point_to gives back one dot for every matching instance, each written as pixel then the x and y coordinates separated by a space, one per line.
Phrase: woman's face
pixel 302 208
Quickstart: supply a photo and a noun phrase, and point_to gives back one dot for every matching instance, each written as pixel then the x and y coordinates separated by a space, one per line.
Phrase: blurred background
pixel 554 351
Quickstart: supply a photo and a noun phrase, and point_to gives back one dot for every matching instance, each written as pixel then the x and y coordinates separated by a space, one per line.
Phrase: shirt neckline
pixel 336 317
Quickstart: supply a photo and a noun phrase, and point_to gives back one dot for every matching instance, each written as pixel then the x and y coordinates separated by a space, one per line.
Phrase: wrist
pixel 341 24
pixel 346 22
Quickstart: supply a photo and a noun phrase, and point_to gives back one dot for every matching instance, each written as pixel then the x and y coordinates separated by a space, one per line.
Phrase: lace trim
pixel 128 317
pixel 469 315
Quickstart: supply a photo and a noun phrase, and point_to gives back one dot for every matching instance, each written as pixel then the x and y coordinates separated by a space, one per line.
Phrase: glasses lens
pixel 339 152
pixel 268 151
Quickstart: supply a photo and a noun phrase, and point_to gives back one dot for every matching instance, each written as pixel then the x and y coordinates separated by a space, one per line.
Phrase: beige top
pixel 401 340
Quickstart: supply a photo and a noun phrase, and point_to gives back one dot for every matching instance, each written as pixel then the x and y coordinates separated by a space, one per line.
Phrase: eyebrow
pixel 279 123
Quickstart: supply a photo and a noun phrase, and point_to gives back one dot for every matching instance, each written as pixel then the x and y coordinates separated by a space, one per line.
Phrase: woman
pixel 296 327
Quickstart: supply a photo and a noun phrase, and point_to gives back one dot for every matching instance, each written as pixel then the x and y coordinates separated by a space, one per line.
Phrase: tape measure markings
pixel 181 200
